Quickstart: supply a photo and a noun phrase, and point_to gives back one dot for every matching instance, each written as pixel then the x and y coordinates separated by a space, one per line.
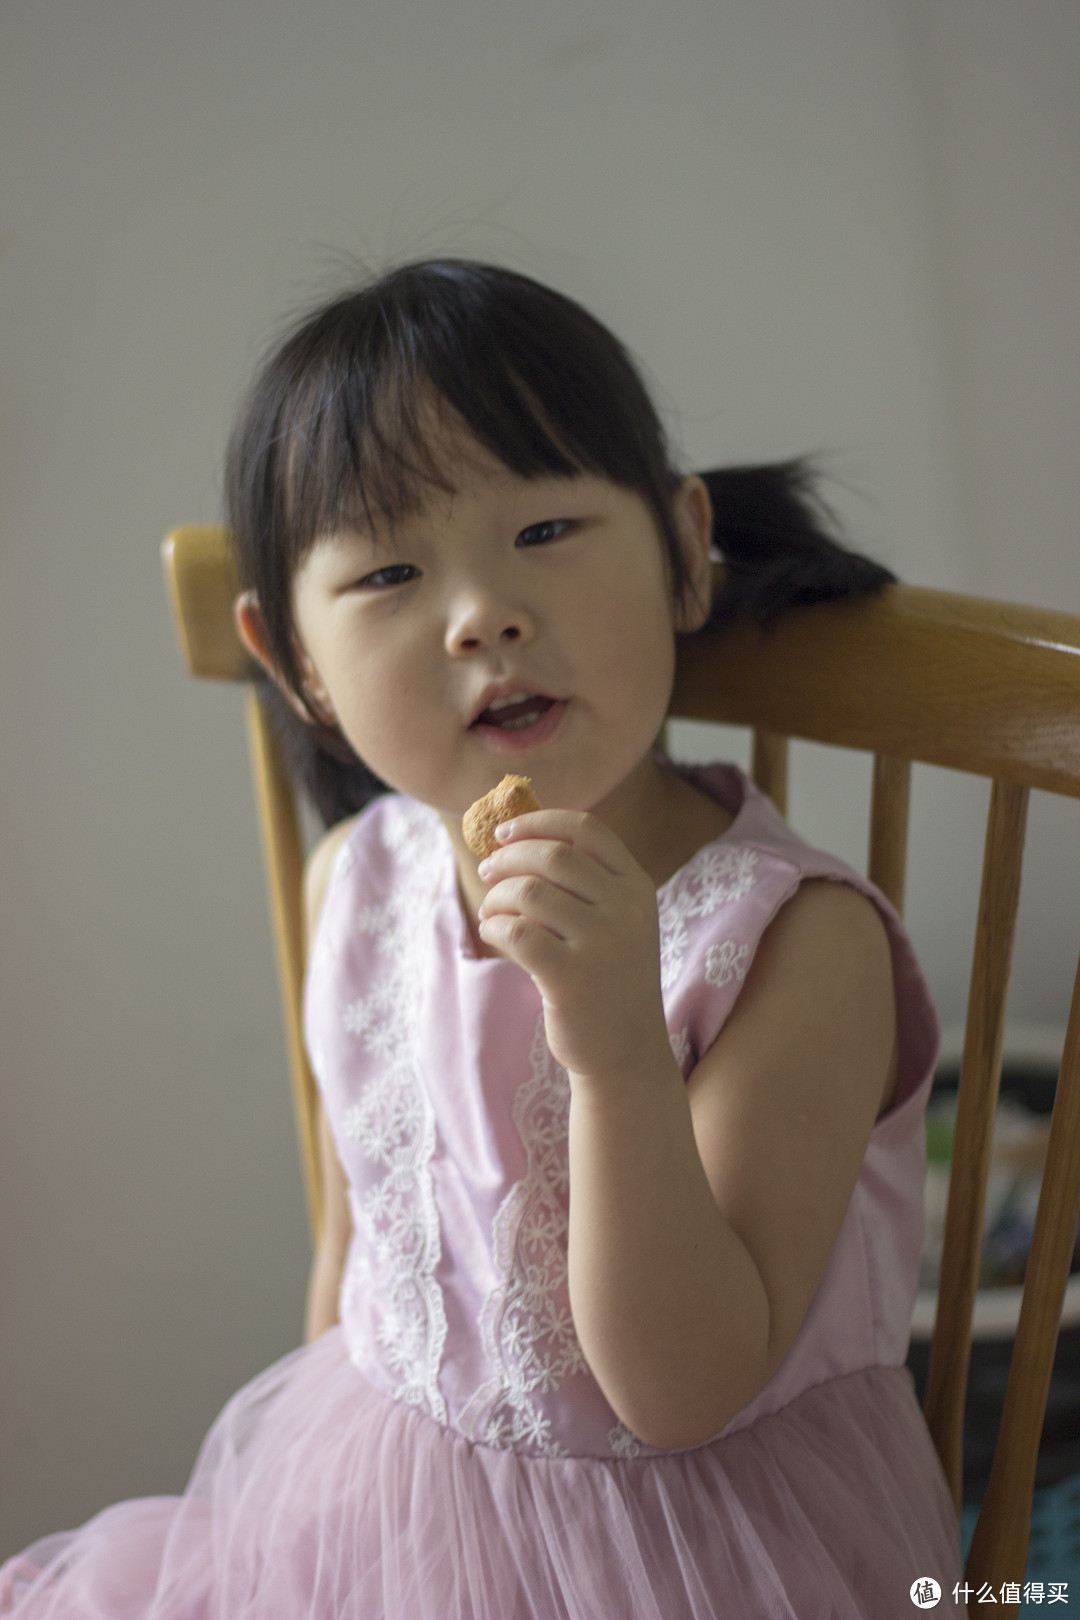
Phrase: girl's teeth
pixel 505 702
pixel 518 710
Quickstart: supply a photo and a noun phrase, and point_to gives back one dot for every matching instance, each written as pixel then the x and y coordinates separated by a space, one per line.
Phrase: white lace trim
pixel 526 1325
pixel 393 1125
pixel 718 875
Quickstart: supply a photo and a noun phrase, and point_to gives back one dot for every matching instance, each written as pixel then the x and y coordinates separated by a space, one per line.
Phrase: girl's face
pixel 551 593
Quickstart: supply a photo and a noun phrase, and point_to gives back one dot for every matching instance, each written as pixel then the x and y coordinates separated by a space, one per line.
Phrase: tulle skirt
pixel 316 1498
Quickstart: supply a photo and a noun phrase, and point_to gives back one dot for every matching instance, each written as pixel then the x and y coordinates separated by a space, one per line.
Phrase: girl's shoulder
pixel 760 884
pixel 382 844
pixel 317 870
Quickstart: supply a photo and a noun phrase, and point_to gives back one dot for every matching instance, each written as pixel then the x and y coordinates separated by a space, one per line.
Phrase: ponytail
pixel 772 530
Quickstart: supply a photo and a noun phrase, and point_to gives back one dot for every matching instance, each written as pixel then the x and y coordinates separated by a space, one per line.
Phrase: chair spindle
pixel 999 1547
pixel 769 767
pixel 980 1075
pixel 887 864
pixel 284 865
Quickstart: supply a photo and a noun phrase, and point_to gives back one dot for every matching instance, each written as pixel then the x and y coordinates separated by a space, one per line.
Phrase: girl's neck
pixel 664 819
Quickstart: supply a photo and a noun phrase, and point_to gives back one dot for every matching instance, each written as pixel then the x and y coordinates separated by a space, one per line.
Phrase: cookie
pixel 513 797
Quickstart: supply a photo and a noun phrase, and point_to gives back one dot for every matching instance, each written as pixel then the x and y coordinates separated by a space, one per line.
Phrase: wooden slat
pixel 201 571
pixel 284 869
pixel 769 767
pixel 890 798
pixel 980 1075
pixel 1000 1544
pixel 923 675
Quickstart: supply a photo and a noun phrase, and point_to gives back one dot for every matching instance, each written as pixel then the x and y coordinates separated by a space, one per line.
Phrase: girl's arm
pixel 702 1212
pixel 702 1215
pixel 329 1263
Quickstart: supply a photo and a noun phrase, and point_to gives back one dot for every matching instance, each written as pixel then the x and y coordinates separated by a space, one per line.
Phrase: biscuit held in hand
pixel 513 797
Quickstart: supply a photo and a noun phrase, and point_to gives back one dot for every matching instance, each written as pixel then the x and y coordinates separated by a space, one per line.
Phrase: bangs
pixel 369 449
pixel 369 383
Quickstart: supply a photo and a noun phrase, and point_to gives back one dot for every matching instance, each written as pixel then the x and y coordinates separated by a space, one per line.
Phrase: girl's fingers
pixel 560 865
pixel 540 950
pixel 538 901
pixel 575 828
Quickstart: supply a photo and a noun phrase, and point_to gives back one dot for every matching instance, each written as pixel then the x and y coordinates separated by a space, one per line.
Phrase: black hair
pixel 337 430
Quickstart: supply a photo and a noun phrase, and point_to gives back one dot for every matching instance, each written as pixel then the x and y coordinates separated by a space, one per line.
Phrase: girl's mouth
pixel 522 724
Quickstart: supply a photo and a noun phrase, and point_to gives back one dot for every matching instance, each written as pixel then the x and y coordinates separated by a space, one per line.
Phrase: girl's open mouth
pixel 518 725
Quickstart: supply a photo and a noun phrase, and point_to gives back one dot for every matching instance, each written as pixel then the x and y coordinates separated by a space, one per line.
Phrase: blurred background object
pixel 1019 1152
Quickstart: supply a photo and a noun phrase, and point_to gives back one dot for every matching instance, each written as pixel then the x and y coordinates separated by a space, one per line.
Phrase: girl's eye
pixel 537 534
pixel 392 574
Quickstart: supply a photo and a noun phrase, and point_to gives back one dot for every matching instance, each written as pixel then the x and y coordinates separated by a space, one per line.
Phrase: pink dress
pixel 445 1453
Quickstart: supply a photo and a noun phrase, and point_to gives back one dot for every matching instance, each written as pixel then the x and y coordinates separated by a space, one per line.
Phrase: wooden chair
pixel 978 686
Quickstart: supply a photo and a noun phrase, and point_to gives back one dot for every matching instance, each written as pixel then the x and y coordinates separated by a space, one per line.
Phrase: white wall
pixel 848 227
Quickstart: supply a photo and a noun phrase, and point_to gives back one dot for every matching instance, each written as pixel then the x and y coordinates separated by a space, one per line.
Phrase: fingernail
pixel 484 868
pixel 504 830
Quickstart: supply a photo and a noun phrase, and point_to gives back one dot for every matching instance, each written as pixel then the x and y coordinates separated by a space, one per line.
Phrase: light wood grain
pixel 204 584
pixel 769 767
pixel 890 798
pixel 951 680
pixel 283 853
pixel 1000 1545
pixel 980 1075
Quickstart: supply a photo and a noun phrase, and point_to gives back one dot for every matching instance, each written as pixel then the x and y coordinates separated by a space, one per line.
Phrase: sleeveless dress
pixel 444 1453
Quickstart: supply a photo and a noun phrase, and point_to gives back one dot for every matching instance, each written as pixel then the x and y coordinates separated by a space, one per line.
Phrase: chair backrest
pixel 910 675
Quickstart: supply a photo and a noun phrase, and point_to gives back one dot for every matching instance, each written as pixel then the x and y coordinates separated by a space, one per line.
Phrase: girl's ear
pixel 251 628
pixel 694 522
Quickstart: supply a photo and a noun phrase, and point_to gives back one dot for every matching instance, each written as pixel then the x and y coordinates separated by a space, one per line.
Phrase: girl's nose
pixel 484 618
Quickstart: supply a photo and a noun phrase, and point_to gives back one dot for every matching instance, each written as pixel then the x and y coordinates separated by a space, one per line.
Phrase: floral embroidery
pixel 726 961
pixel 526 1324
pixel 393 1125
pixel 718 875
pixel 623 1442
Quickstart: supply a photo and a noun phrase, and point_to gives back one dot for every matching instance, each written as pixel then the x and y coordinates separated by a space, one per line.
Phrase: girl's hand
pixel 568 903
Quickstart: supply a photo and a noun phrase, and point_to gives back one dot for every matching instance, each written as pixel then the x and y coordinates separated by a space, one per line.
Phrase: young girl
pixel 622 1127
